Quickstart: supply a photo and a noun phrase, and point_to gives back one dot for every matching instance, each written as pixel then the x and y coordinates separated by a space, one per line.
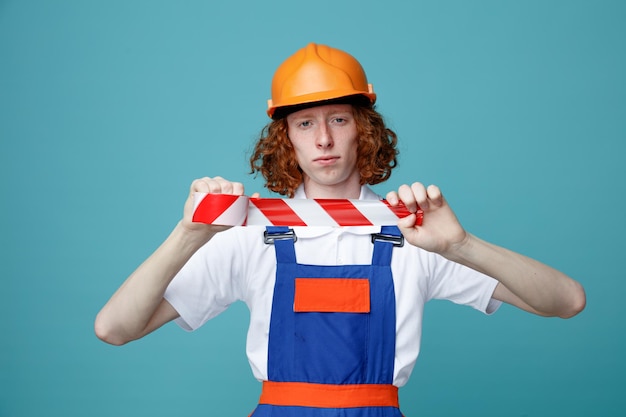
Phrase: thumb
pixel 408 221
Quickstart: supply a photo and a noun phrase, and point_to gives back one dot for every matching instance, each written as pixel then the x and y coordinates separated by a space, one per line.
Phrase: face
pixel 325 142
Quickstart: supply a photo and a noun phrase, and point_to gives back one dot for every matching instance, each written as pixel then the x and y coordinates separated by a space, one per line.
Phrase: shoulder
pixel 237 244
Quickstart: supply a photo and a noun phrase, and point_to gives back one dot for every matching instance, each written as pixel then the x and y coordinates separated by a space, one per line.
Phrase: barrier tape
pixel 233 210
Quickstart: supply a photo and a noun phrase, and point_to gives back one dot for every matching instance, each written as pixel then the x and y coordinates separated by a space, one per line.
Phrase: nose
pixel 324 138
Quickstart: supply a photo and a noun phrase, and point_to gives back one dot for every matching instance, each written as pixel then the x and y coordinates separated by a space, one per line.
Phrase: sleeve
pixel 208 283
pixel 461 285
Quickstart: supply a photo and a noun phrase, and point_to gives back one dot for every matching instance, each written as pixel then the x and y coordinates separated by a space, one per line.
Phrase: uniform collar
pixel 366 193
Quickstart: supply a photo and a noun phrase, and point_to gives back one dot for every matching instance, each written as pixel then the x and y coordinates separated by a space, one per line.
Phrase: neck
pixel 350 191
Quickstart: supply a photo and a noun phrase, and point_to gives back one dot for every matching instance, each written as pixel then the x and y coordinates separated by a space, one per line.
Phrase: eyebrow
pixel 309 115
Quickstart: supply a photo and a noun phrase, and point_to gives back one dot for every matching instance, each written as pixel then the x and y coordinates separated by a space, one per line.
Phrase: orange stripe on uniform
pixel 303 394
pixel 332 295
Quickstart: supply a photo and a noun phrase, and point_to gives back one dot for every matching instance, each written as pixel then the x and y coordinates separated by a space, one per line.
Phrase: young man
pixel 336 316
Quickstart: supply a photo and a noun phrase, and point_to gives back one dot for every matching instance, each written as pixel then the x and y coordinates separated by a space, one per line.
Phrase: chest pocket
pixel 332 295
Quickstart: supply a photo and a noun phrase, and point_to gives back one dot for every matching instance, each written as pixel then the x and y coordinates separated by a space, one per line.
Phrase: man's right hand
pixel 215 185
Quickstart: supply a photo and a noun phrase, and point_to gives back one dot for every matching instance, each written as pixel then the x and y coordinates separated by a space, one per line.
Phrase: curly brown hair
pixel 274 156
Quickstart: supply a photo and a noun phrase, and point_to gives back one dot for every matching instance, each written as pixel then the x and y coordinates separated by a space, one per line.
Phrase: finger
pixel 223 186
pixel 419 192
pixel 407 197
pixel 256 195
pixel 200 185
pixel 237 188
pixel 392 198
pixel 228 187
pixel 407 222
pixel 434 195
pixel 217 185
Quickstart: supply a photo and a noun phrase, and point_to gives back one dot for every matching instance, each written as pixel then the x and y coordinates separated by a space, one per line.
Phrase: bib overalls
pixel 332 335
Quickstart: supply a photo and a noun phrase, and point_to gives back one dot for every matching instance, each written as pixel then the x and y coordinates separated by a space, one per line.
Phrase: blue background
pixel 108 110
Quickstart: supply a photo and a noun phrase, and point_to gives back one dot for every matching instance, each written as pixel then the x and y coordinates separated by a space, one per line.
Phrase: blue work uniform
pixel 327 357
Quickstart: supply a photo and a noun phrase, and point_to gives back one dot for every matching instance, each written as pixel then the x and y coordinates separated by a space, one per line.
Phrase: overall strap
pixel 382 324
pixel 384 242
pixel 283 238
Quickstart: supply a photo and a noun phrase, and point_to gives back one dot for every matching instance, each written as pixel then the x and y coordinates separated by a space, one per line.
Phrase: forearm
pixel 127 315
pixel 544 289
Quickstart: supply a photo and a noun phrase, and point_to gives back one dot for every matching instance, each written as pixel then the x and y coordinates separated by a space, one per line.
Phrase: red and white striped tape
pixel 232 210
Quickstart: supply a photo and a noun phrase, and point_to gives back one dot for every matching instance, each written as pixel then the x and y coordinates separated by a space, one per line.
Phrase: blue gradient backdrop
pixel 108 110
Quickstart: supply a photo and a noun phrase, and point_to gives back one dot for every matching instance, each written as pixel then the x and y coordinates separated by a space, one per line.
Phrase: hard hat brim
pixel 308 99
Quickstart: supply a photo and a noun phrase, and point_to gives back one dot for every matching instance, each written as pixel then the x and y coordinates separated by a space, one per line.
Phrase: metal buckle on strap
pixel 269 238
pixel 397 241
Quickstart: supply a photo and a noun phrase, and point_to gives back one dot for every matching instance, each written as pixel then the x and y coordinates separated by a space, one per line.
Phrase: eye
pixel 340 120
pixel 305 123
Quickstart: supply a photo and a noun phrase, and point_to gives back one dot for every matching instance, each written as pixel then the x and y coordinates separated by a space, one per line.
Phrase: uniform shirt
pixel 238 265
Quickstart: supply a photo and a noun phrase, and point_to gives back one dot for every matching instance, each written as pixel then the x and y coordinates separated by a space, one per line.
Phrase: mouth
pixel 326 159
